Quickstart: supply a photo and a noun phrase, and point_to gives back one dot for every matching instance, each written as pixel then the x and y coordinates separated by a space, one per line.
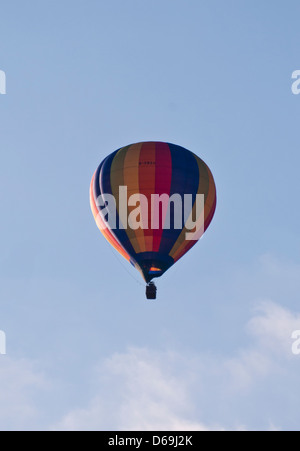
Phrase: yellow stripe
pixel 116 174
pixel 131 180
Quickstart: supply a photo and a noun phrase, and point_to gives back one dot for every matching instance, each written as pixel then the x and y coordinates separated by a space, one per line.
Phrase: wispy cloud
pixel 147 394
pixel 20 385
pixel 166 391
pixel 251 385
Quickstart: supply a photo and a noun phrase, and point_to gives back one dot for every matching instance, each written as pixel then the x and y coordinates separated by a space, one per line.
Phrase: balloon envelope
pixel 157 217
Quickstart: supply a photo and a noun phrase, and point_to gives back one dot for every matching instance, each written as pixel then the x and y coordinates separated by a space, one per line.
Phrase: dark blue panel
pixel 185 180
pixel 146 260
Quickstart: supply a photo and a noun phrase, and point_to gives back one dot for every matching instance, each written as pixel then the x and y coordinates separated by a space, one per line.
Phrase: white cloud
pixel 273 326
pixel 143 389
pixel 148 396
pixel 250 386
pixel 146 390
pixel 20 382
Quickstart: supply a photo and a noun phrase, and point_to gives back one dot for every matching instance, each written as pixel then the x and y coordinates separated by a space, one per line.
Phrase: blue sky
pixel 84 348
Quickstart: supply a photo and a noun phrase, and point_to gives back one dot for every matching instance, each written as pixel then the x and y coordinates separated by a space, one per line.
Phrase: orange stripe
pixel 131 180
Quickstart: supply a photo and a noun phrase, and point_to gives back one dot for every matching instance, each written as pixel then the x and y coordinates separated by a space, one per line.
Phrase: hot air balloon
pixel 152 201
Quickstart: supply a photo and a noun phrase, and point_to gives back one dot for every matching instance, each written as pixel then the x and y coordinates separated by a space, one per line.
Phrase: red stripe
pixel 163 177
